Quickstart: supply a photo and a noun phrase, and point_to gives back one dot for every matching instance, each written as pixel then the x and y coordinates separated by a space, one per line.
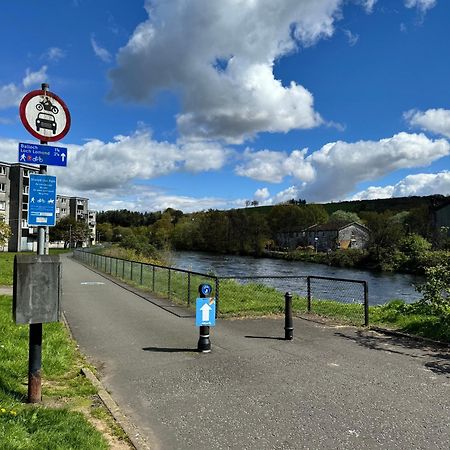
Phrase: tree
pixel 70 231
pixel 5 233
pixel 344 216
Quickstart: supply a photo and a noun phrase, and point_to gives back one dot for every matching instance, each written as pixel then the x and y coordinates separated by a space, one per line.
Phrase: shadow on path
pixel 276 338
pixel 170 350
pixel 437 357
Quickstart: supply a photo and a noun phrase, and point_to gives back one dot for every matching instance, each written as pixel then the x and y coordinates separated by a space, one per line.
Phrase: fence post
pixel 366 304
pixel 308 282
pixel 153 279
pixel 117 262
pixel 168 284
pixel 141 279
pixel 131 271
pixel 217 286
pixel 123 268
pixel 288 322
pixel 189 289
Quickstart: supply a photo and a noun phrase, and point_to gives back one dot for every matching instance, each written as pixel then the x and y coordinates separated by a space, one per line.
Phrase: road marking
pixel 91 283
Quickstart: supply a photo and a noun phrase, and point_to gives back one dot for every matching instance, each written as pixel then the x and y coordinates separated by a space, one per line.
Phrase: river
pixel 382 286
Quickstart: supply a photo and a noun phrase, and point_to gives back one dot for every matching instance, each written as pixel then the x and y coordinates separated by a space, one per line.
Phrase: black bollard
pixel 288 322
pixel 204 343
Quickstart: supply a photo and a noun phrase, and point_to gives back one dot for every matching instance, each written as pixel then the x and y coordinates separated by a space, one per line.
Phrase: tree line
pixel 398 240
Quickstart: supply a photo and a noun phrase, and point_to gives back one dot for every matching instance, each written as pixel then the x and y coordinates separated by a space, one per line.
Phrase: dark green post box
pixel 37 288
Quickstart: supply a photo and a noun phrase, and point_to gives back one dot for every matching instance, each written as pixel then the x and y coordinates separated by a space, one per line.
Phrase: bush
pixel 436 290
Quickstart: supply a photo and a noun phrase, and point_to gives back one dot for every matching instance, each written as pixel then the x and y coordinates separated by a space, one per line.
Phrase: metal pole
pixel 168 284
pixel 288 322
pixel 35 337
pixel 189 289
pixel 366 304
pixel 308 282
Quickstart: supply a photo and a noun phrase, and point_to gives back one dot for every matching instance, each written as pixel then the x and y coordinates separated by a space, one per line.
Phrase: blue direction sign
pixel 42 154
pixel 205 312
pixel 42 200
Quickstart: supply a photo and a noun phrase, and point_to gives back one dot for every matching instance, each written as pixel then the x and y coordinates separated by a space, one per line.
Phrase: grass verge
pixel 65 418
pixel 7 264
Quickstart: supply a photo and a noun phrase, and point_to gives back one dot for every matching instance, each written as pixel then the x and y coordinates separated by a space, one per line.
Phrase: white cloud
pixel 434 120
pixel 148 198
pixel 115 165
pixel 273 166
pixel 351 37
pixel 368 5
pixel 422 5
pixel 100 52
pixel 35 78
pixel 9 150
pixel 11 94
pixel 419 184
pixel 333 171
pixel 54 54
pixel 225 75
pixel 261 195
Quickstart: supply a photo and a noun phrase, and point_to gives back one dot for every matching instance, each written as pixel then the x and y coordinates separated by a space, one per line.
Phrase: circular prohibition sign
pixel 45 115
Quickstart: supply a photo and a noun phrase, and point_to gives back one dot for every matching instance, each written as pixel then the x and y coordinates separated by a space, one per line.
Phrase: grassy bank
pixel 70 412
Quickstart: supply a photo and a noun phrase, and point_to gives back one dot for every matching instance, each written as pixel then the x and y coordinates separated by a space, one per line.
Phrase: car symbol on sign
pixel 46 121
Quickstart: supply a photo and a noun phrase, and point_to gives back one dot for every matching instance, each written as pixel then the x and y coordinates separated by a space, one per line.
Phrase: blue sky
pixel 206 104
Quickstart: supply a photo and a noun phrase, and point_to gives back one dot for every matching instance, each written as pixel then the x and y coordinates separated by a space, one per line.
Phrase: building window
pixel 63 210
pixel 2 206
pixel 26 173
pixel 24 206
pixel 24 223
pixel 2 170
pixel 2 187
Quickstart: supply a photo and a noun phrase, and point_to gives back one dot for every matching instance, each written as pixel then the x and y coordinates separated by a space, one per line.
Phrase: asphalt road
pixel 329 388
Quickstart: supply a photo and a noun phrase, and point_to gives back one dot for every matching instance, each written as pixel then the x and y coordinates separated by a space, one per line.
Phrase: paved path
pixel 329 388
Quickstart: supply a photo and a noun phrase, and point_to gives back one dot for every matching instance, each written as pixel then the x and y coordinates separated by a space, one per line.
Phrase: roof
pixel 334 226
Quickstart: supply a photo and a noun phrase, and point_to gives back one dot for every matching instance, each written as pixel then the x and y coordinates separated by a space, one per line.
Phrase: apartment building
pixel 14 190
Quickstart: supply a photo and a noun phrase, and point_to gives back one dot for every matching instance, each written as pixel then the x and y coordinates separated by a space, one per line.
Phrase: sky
pixel 199 104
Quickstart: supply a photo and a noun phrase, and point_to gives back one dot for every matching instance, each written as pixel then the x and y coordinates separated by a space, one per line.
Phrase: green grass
pixel 411 318
pixel 25 426
pixel 6 268
pixel 7 264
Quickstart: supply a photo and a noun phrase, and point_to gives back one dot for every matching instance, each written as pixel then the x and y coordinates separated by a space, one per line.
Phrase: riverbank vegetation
pixel 400 240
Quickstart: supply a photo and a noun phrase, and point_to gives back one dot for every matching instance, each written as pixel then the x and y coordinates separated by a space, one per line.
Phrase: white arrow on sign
pixel 63 156
pixel 205 309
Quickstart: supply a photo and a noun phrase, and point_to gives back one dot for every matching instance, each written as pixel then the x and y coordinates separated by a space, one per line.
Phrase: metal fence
pixel 342 299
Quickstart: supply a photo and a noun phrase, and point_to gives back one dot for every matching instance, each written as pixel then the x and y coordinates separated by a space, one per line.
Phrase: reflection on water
pixel 382 286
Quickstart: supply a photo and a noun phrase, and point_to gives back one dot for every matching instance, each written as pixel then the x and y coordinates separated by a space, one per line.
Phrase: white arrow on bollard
pixel 205 309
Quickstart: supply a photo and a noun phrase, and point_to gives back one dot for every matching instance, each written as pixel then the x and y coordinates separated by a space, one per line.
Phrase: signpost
pixel 42 200
pixel 42 154
pixel 46 117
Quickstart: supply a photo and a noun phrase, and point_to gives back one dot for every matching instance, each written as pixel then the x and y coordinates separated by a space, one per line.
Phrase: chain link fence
pixel 342 299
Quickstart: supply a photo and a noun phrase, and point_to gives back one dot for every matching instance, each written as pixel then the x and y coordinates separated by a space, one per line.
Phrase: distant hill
pixel 379 205
pixel 393 204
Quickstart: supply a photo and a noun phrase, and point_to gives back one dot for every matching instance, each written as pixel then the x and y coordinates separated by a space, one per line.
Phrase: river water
pixel 382 286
